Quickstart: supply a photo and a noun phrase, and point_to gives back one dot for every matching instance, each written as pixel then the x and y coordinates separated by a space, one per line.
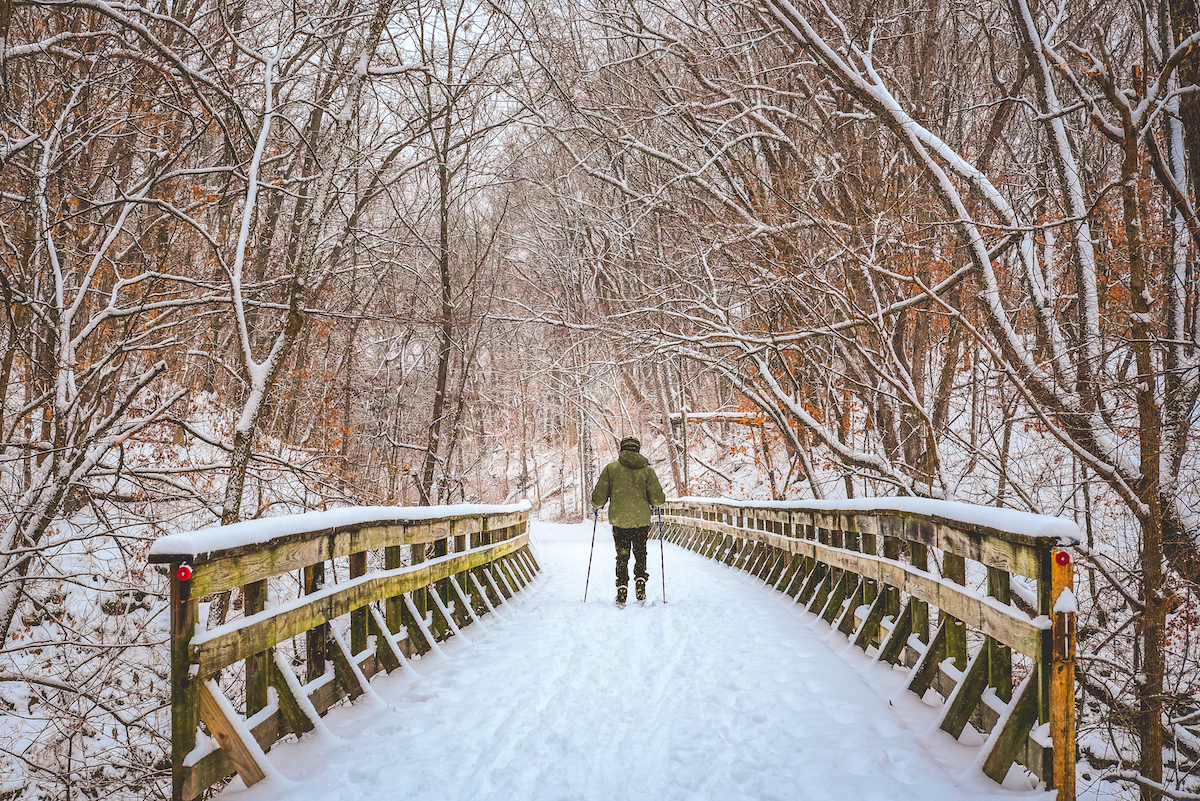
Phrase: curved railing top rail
pixel 221 542
pixel 230 556
pixel 1005 524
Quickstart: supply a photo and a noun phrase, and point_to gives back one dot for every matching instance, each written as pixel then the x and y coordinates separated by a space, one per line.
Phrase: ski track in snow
pixel 728 691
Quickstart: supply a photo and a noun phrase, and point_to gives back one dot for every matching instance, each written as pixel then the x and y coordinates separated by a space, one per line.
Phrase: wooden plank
pixel 753 565
pixel 532 559
pixel 989 549
pixel 890 528
pixel 1014 733
pixel 491 596
pixel 954 567
pixel 832 577
pixel 926 668
pixel 966 697
pixel 500 586
pixel 817 575
pixel 897 640
pixel 520 568
pixel 316 638
pixel 746 554
pixel 766 565
pixel 507 520
pixel 448 626
pixel 515 579
pixel 393 559
pixel 847 624
pixel 799 571
pixel 716 544
pixel 343 669
pixel 496 570
pixel 841 591
pixel 358 617
pixel 870 625
pixel 731 550
pixel 1062 677
pixel 235 567
pixel 467 598
pixel 293 713
pixel 438 549
pixel 504 570
pixel 185 699
pixel 254 600
pixel 234 641
pixel 789 564
pixel 415 643
pixel 999 655
pixel 761 557
pixel 780 563
pixel 385 647
pixel 426 633
pixel 214 714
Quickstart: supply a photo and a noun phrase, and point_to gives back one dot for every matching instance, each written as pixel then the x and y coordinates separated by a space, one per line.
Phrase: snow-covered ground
pixel 725 692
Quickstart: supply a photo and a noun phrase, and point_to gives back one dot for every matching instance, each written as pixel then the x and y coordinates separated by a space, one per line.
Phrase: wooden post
pixel 358 618
pixel 420 599
pixel 869 544
pixel 891 528
pixel 918 556
pixel 440 627
pixel 317 637
pixel 258 676
pixel 1062 679
pixel 999 587
pixel 393 559
pixel 185 690
pixel 955 568
pixel 1045 601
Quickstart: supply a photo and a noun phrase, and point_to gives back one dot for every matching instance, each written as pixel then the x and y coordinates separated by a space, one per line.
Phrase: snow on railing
pixel 873 567
pixel 434 570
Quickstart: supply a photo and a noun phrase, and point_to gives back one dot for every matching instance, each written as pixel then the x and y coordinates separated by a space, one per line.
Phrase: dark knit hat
pixel 631 444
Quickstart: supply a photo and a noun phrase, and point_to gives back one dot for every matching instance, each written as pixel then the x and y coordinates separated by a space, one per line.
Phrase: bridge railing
pixel 999 581
pixel 340 595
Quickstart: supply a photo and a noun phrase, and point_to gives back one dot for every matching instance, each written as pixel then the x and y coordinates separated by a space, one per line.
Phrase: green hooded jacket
pixel 631 484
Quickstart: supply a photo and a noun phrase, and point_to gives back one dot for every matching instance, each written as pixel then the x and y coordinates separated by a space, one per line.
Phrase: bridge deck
pixel 725 692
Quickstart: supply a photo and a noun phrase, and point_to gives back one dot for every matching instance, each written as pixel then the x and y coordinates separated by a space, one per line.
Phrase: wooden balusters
pixel 838 562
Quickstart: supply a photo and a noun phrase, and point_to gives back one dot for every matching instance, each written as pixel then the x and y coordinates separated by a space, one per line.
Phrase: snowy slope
pixel 725 692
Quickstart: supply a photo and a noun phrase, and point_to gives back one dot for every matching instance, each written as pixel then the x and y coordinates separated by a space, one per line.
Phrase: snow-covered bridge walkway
pixel 727 692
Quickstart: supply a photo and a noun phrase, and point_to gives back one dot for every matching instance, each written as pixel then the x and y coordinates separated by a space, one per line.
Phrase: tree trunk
pixel 1153 629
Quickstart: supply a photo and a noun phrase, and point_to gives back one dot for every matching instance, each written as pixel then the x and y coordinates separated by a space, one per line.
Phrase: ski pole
pixel 662 560
pixel 595 522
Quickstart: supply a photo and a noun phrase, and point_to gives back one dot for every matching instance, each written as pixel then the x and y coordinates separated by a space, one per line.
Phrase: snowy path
pixel 724 693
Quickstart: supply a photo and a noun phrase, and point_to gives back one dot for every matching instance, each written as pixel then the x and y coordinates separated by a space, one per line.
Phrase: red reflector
pixel 1062 558
pixel 183 573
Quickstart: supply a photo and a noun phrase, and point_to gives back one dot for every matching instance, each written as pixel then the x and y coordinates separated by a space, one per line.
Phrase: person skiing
pixel 632 486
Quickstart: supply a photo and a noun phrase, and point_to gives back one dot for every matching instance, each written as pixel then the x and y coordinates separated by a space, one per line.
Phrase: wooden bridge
pixel 974 603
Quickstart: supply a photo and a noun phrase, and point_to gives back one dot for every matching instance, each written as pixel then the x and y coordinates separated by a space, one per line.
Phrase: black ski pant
pixel 631 539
